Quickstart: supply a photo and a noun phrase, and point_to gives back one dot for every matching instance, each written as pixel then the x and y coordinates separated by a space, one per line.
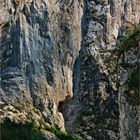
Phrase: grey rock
pixel 57 66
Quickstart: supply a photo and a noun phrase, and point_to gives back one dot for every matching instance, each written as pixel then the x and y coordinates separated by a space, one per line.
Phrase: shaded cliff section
pixel 39 41
pixel 129 97
pixel 100 109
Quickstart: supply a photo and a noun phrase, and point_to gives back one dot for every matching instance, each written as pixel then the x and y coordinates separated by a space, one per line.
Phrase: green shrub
pixel 133 84
pixel 30 131
pixel 13 131
pixel 62 135
pixel 131 39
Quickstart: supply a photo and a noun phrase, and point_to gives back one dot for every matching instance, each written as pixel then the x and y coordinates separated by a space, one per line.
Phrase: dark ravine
pixel 70 65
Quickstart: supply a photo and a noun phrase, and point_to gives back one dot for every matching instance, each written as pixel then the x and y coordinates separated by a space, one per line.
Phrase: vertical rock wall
pixel 39 42
pixel 55 50
pixel 101 110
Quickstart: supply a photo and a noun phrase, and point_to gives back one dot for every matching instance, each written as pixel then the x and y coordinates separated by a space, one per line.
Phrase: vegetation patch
pixel 132 94
pixel 131 39
pixel 30 131
pixel 13 131
pixel 62 135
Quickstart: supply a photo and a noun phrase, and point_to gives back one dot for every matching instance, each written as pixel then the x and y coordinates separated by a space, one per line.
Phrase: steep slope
pixel 68 64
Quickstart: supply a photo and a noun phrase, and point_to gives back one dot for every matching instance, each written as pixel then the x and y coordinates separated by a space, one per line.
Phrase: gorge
pixel 69 65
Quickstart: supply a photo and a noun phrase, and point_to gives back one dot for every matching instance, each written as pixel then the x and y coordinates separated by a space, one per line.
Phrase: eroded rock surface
pixel 39 43
pixel 59 66
pixel 101 109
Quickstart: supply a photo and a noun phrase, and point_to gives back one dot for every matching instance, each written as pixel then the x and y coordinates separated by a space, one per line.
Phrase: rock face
pixel 101 80
pixel 53 50
pixel 39 43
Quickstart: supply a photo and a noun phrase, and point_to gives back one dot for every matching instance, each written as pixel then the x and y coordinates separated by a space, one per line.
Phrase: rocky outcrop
pixel 66 64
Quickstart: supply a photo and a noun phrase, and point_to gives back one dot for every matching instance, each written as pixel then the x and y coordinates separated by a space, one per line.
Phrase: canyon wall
pixel 39 43
pixel 63 63
pixel 102 73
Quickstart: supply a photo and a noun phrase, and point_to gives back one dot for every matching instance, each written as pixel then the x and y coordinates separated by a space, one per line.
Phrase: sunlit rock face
pixel 39 43
pixel 59 66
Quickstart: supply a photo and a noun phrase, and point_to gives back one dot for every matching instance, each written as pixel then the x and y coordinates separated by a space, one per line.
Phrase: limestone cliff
pixel 69 64
pixel 39 43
